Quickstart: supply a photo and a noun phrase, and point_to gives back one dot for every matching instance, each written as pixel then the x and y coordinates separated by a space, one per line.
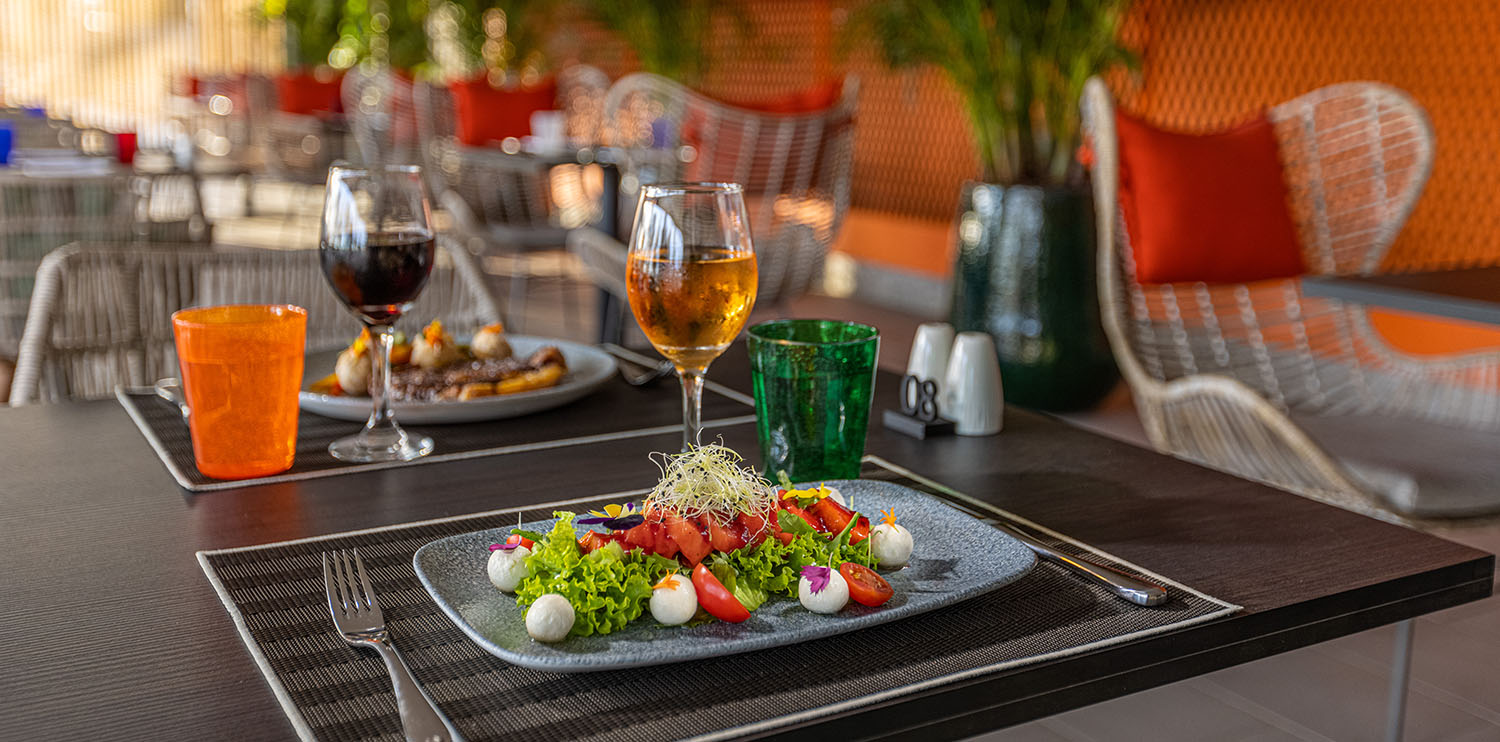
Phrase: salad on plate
pixel 713 541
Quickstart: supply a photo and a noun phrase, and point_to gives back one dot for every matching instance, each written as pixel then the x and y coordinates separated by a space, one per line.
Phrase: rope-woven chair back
pixel 498 189
pixel 101 315
pixel 795 168
pixel 1355 157
pixel 38 215
pixel 299 148
pixel 382 116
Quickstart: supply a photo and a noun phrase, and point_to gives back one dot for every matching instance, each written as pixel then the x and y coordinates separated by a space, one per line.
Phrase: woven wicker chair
pixel 297 148
pixel 381 115
pixel 1301 393
pixel 795 169
pixel 101 315
pixel 501 203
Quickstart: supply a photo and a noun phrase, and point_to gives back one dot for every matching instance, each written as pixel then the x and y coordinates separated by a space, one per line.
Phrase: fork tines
pixel 347 584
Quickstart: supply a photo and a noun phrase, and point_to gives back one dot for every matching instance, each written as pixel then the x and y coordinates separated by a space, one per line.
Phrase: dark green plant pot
pixel 1026 275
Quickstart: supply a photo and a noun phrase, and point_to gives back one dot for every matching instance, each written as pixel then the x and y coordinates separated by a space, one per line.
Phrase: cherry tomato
pixel 865 586
pixel 516 538
pixel 714 598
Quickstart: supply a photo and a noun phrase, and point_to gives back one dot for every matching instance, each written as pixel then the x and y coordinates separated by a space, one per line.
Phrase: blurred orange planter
pixel 241 369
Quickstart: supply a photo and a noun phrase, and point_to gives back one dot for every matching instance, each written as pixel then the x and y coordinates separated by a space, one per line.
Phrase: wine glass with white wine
pixel 691 279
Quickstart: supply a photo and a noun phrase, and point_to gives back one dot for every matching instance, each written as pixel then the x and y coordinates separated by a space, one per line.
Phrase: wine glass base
pixel 363 449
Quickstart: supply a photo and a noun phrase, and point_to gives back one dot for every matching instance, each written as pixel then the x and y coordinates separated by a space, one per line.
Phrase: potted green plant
pixel 1025 270
pixel 670 38
pixel 314 30
pixel 502 38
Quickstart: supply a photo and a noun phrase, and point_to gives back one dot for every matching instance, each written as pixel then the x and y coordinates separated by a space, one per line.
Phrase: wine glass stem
pixel 380 378
pixel 692 406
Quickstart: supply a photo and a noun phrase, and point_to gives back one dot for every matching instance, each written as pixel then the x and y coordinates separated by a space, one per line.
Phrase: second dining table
pixel 113 630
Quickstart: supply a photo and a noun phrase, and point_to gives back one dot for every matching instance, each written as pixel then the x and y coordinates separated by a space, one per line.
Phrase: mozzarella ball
pixel 891 545
pixel 490 342
pixel 353 371
pixel 507 567
pixel 831 599
pixel 434 353
pixel 550 618
pixel 674 606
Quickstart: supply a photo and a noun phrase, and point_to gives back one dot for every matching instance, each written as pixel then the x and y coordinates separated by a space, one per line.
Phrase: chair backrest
pixel 488 192
pixel 382 116
pixel 298 148
pixel 38 215
pixel 101 314
pixel 1356 157
pixel 795 167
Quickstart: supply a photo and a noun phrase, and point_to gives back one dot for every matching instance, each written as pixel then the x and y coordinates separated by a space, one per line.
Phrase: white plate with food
pixel 437 379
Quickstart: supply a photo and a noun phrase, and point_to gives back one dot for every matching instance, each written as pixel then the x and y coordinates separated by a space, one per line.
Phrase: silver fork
pixel 356 615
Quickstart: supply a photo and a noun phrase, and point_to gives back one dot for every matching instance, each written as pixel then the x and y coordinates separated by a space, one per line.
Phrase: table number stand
pixel 918 416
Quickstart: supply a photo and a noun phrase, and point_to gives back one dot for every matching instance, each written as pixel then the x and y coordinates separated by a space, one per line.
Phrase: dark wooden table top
pixel 110 629
pixel 1471 294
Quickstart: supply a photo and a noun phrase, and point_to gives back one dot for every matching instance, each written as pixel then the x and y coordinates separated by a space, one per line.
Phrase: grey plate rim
pixel 594 368
pixel 726 648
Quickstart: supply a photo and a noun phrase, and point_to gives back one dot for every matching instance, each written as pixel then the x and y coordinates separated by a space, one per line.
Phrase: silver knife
pixel 1126 587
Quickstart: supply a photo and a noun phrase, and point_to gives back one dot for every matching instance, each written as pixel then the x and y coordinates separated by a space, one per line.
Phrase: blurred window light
pixel 220 105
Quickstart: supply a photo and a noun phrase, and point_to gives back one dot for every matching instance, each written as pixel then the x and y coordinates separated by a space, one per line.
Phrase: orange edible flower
pixel 433 333
pixel 667 583
pixel 361 343
pixel 890 517
pixel 497 327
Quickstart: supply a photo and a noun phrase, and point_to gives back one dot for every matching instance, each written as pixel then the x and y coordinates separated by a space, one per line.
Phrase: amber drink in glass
pixel 691 279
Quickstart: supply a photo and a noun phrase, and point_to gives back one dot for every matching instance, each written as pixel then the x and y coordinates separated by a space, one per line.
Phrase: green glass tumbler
pixel 813 382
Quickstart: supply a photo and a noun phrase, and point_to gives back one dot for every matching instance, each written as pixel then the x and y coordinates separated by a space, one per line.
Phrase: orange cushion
pixel 1206 207
pixel 305 94
pixel 484 114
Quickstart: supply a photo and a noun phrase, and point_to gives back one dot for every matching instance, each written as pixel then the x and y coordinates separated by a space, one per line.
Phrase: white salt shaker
pixel 971 395
pixel 929 351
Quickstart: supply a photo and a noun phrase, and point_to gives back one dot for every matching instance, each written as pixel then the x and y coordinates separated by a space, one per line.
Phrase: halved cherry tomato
pixel 592 540
pixel 785 538
pixel 715 598
pixel 865 586
pixel 754 527
pixel 516 538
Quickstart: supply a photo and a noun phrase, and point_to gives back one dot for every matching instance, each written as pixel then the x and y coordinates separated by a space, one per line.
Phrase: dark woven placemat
pixel 615 411
pixel 333 692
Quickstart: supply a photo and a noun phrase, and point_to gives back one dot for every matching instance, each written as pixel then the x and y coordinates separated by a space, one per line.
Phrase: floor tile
pixel 1034 732
pixel 1338 699
pixel 1171 713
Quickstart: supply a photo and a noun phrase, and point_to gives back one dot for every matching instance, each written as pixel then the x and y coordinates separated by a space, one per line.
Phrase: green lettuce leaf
pixel 608 588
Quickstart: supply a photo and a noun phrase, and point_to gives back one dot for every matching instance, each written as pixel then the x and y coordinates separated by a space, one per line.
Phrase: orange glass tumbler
pixel 241 370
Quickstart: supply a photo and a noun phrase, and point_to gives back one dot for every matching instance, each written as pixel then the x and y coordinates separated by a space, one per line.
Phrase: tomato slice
pixel 723 537
pixel 865 586
pixel 662 542
pixel 640 537
pixel 689 539
pixel 754 527
pixel 516 538
pixel 716 599
pixel 812 520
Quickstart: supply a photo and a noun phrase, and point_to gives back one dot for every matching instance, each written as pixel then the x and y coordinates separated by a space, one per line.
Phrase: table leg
pixel 1395 720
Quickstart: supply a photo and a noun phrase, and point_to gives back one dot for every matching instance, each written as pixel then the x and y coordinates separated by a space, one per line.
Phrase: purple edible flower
pixel 504 547
pixel 817 578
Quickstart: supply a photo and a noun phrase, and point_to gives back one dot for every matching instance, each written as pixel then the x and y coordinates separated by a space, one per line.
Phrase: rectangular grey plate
pixel 956 558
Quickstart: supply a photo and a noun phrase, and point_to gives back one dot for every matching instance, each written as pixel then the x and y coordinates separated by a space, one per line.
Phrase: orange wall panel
pixel 1209 63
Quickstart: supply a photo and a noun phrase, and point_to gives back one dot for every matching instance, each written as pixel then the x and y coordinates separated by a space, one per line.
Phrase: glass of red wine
pixel 377 250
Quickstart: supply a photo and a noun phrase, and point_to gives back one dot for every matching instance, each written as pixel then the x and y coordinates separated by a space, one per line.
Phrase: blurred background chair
pixel 795 167
pixel 216 118
pixel 1301 393
pixel 101 314
pixel 297 146
pixel 512 204
pixel 381 115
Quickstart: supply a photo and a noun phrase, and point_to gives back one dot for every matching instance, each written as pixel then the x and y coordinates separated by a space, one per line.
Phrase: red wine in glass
pixel 379 274
pixel 377 251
